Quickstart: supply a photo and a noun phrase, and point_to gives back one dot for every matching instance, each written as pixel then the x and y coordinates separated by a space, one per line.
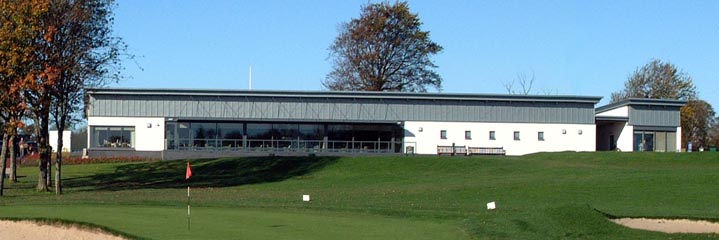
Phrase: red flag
pixel 188 173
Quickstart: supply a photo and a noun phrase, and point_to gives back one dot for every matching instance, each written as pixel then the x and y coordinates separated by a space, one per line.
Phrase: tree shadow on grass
pixel 224 172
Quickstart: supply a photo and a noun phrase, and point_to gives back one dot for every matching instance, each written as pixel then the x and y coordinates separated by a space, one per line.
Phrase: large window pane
pixel 285 131
pixel 204 134
pixel 648 141
pixel 259 130
pixel 230 134
pixel 170 135
pixel 638 146
pixel 113 137
pixel 183 134
pixel 311 131
pixel 339 132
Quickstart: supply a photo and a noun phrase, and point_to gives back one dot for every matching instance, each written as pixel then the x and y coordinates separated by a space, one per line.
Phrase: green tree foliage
pixel 657 79
pixel 383 50
pixel 697 122
pixel 714 133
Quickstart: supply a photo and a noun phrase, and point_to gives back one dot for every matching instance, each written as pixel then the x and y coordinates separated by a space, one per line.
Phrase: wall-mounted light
pixel 149 125
pixel 564 131
pixel 579 131
pixel 420 129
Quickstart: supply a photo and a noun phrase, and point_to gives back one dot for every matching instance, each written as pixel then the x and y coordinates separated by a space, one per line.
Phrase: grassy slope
pixel 557 195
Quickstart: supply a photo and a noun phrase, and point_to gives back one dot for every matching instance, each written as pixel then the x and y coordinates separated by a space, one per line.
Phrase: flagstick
pixel 188 205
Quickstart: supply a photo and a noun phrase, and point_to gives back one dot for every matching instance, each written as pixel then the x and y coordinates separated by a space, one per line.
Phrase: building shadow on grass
pixel 223 172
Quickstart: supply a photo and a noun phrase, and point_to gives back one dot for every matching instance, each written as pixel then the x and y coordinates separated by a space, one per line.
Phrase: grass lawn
pixel 539 196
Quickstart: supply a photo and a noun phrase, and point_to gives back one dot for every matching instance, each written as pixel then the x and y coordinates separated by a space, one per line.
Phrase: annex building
pixel 177 123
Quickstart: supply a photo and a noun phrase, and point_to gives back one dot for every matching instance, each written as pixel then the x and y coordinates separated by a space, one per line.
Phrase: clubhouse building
pixel 177 123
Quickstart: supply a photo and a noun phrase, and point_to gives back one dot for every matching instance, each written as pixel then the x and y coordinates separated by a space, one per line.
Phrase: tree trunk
pixel 58 162
pixel 3 153
pixel 13 166
pixel 13 159
pixel 43 181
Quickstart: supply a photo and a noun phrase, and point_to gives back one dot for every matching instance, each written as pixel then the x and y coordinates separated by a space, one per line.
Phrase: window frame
pixel 442 134
pixel 492 135
pixel 540 136
pixel 468 135
pixel 123 130
pixel 517 136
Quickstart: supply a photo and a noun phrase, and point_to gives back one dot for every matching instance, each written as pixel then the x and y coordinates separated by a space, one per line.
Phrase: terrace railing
pixel 283 145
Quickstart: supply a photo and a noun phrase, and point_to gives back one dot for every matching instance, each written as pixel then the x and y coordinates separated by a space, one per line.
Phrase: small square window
pixel 468 135
pixel 540 136
pixel 492 136
pixel 443 134
pixel 516 135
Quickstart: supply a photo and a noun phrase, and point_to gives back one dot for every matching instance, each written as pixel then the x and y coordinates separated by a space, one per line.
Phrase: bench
pixel 445 150
pixel 451 150
pixel 486 151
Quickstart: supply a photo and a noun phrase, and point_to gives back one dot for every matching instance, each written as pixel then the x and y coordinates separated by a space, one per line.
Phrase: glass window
pixel 259 130
pixel 516 135
pixel 443 134
pixel 285 131
pixel 339 132
pixel 113 137
pixel 229 130
pixel 230 135
pixel 492 135
pixel 312 131
pixel 468 135
pixel 204 134
pixel 649 141
pixel 638 145
pixel 540 136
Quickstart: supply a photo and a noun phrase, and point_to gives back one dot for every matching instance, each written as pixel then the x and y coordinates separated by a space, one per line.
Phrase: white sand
pixel 669 225
pixel 22 230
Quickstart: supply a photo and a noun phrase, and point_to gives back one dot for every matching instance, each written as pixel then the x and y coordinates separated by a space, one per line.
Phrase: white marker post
pixel 188 174
pixel 491 206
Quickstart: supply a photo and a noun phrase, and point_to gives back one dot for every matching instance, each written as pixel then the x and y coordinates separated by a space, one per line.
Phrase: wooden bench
pixel 444 150
pixel 451 150
pixel 486 151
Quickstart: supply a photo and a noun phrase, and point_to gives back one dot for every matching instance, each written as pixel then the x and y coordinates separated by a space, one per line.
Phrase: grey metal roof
pixel 224 105
pixel 344 94
pixel 642 101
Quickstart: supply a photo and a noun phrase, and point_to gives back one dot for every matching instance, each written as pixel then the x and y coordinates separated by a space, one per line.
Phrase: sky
pixel 586 48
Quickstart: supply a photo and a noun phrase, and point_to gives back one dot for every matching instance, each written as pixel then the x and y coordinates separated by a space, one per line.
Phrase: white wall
pixel 625 141
pixel 150 138
pixel 426 141
pixel 618 112
pixel 679 139
pixel 65 140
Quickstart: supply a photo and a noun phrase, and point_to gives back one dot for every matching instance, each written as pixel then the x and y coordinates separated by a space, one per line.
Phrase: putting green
pixel 238 223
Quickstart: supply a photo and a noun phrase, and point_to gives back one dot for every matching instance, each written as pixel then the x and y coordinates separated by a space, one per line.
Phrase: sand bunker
pixel 669 225
pixel 21 230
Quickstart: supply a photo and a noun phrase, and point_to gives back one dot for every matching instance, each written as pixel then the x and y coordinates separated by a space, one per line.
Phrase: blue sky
pixel 572 47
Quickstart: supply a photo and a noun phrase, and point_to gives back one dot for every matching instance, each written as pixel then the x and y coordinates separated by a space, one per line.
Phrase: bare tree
pixel 383 50
pixel 525 83
pixel 86 54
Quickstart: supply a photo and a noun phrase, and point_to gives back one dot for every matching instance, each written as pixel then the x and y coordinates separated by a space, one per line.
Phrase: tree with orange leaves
pixel 19 23
pixel 68 45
